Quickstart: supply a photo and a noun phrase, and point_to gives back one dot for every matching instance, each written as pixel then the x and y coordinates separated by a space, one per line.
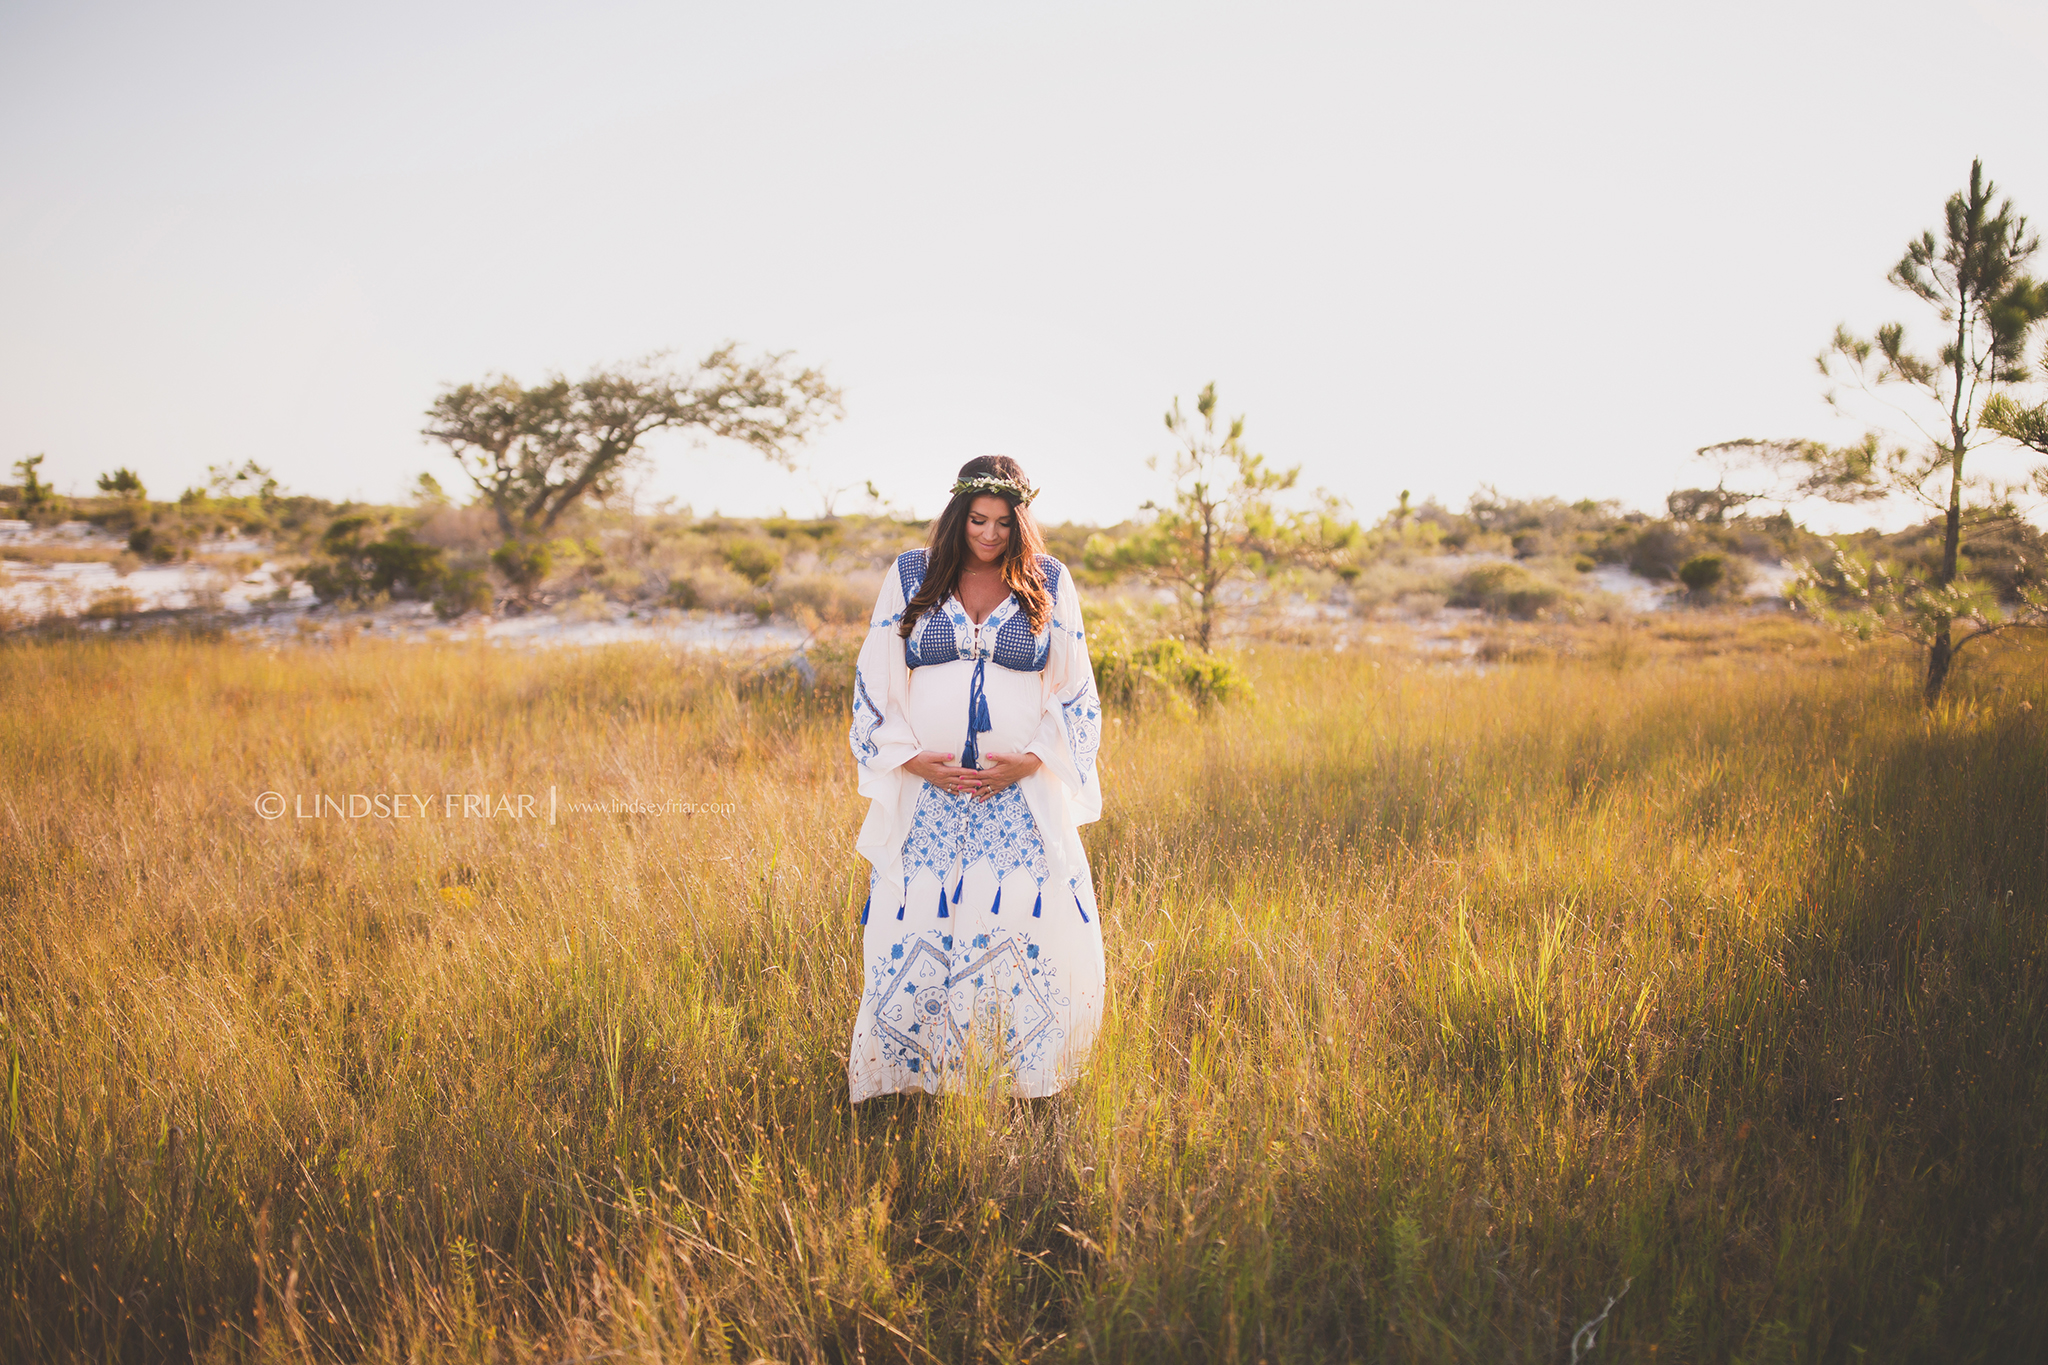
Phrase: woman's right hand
pixel 939 770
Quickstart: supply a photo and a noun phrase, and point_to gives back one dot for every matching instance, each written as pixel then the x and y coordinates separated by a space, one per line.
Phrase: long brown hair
pixel 946 551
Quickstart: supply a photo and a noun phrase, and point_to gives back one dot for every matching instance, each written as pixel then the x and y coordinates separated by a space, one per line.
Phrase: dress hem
pixel 1014 1093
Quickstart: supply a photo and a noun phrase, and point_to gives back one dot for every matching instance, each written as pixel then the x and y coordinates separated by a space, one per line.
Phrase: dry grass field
pixel 1690 969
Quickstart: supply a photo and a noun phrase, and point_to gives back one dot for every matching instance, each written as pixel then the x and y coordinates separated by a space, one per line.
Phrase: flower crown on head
pixel 993 483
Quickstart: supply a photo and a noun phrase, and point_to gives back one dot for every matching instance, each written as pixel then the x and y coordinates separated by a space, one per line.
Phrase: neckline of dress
pixel 1009 600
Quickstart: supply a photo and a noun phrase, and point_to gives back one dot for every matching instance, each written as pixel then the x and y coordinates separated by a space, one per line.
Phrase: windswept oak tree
pixel 533 453
pixel 1973 278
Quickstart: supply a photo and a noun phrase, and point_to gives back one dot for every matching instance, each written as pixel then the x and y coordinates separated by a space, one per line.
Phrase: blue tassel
pixel 1038 905
pixel 977 719
pixel 997 908
pixel 942 903
pixel 864 907
pixel 957 887
pixel 900 909
pixel 1082 909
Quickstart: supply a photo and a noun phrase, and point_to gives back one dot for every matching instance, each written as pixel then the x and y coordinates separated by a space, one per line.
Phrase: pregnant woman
pixel 975 725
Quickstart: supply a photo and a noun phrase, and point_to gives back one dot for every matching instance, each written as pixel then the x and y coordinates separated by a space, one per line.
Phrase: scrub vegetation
pixel 1669 990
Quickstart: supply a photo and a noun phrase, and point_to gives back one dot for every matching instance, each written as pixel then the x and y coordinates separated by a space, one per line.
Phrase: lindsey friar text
pixel 408 806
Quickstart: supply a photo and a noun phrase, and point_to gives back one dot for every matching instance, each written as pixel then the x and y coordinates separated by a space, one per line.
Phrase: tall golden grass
pixel 1703 978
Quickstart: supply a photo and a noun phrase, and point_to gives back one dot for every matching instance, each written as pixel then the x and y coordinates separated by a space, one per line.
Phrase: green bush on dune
pixel 1135 667
pixel 1506 590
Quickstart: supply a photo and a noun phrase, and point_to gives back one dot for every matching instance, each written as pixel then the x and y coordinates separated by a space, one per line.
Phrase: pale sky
pixel 1549 248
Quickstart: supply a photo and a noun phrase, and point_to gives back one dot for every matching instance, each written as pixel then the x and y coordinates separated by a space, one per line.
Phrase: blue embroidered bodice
pixel 944 633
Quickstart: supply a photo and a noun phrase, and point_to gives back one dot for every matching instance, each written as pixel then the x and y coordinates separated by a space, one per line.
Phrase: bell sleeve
pixel 880 735
pixel 1070 728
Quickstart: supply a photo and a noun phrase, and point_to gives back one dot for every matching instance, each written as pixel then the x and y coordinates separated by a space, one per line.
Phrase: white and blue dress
pixel 983 947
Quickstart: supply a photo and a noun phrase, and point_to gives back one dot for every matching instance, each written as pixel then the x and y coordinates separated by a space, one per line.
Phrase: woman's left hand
pixel 1003 770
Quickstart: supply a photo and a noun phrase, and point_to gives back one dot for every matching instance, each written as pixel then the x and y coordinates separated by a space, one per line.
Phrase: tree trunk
pixel 1942 651
pixel 1939 655
pixel 1209 576
pixel 1952 535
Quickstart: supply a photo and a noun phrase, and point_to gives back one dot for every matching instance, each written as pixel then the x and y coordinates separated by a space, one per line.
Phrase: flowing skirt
pixel 981 971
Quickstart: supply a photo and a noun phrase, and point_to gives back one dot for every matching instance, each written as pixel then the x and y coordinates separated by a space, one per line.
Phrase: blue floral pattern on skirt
pixel 952 831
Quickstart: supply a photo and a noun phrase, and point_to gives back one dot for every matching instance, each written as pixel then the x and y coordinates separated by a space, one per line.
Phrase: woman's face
pixel 990 524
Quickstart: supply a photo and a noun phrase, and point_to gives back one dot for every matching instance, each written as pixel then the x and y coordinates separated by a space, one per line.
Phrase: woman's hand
pixel 1003 770
pixel 939 770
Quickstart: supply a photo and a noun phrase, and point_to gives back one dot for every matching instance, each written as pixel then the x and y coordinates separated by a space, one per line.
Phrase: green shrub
pixel 1712 575
pixel 754 560
pixel 155 544
pixel 122 483
pixel 351 569
pixel 398 563
pixel 524 563
pixel 1206 678
pixel 1506 590
pixel 1658 549
pixel 462 591
pixel 1131 671
pixel 1703 573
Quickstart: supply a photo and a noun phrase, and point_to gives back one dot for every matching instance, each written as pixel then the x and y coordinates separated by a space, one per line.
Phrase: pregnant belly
pixel 938 707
